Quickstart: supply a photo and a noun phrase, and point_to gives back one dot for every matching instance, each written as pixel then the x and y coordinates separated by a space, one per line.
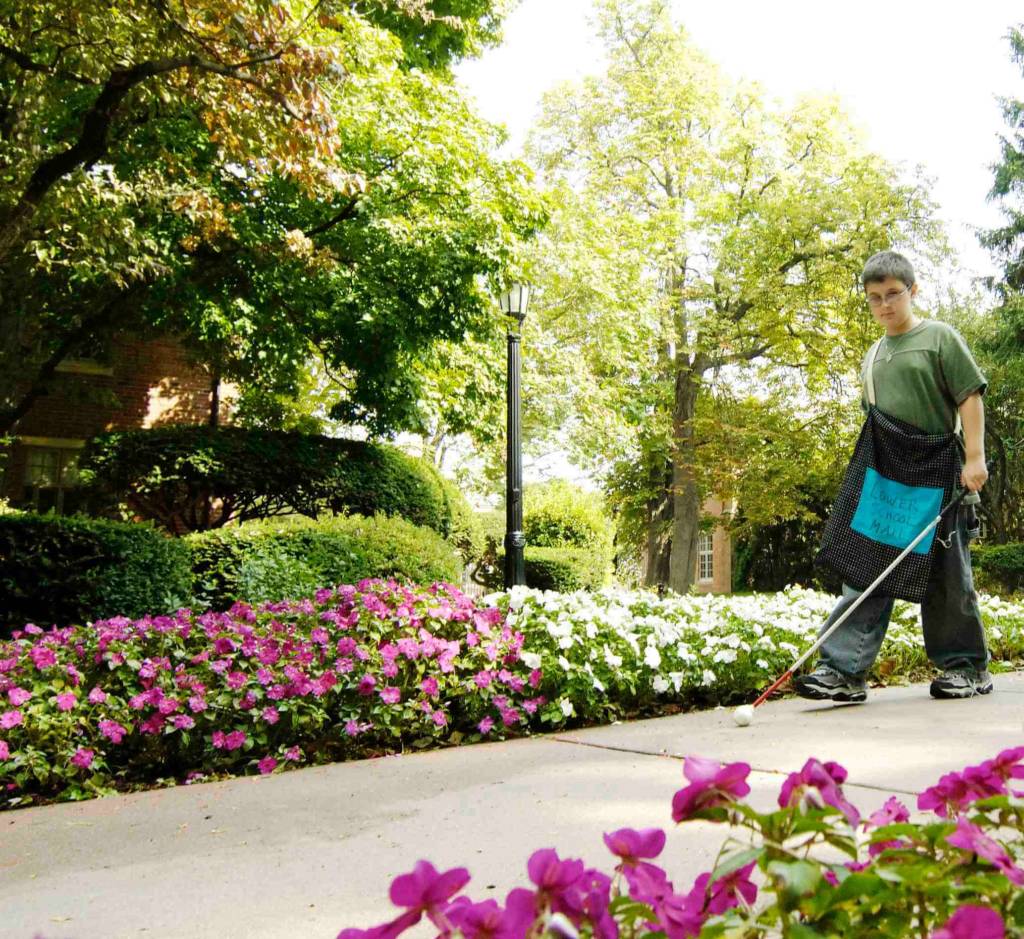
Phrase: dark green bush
pixel 56 570
pixel 561 569
pixel 999 568
pixel 198 478
pixel 277 559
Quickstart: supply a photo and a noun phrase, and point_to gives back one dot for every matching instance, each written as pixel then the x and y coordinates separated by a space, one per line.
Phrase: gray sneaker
pixel 825 683
pixel 961 683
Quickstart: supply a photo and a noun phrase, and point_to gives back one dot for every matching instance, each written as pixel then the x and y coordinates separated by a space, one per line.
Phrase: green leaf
pixel 734 862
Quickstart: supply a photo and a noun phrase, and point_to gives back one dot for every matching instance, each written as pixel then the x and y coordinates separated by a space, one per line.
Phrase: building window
pixel 51 480
pixel 705 557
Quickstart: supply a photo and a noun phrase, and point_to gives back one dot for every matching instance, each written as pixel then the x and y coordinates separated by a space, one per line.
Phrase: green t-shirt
pixel 923 375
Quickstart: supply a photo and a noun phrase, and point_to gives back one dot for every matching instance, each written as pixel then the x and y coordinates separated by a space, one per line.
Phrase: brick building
pixel 714 552
pixel 135 383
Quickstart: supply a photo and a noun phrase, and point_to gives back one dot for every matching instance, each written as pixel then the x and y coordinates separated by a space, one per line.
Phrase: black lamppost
pixel 513 304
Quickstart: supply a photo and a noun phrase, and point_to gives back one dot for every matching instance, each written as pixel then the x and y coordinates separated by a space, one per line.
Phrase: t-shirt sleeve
pixel 959 370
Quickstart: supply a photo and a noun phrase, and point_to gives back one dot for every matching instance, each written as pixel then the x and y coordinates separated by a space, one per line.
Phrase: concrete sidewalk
pixel 307 853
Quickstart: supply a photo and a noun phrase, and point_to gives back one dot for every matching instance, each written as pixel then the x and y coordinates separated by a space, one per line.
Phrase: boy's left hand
pixel 974 474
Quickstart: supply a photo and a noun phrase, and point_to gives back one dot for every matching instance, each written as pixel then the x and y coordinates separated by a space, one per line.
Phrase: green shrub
pixel 561 569
pixel 999 568
pixel 56 570
pixel 277 559
pixel 558 514
pixel 198 478
pixel 463 528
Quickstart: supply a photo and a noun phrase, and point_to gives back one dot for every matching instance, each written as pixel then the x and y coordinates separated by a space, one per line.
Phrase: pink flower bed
pixel 354 671
pixel 957 877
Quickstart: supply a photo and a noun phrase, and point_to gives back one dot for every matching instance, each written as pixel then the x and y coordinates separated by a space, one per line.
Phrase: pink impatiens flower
pixel 267 765
pixel 390 695
pixel 18 696
pixel 97 695
pixel 971 838
pixel 5 751
pixel 972 922
pixel 11 719
pixel 428 686
pixel 271 715
pixel 83 758
pixel 66 701
pixel 711 784
pixel 112 730
pixel 818 784
pixel 486 725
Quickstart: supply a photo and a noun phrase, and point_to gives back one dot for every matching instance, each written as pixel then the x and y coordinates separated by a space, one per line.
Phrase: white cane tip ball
pixel 743 715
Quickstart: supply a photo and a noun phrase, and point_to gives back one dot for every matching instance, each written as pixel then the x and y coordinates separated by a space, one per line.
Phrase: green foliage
pixel 560 569
pixel 338 201
pixel 559 514
pixel 287 558
pixel 194 478
pixel 1001 344
pixel 462 526
pixel 57 570
pixel 999 567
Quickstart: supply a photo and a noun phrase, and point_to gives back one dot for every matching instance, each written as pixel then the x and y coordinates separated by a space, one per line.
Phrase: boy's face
pixel 891 304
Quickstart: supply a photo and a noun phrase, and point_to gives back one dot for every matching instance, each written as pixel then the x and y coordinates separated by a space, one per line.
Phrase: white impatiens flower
pixel 530 659
pixel 761 663
pixel 724 655
pixel 565 642
pixel 564 662
pixel 652 657
pixel 613 660
pixel 598 683
pixel 660 684
pixel 708 678
pixel 567 709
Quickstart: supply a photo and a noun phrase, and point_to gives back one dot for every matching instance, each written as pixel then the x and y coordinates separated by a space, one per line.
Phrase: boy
pixel 924 375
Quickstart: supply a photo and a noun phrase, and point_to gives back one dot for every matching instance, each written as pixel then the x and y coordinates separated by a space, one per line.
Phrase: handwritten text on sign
pixel 895 514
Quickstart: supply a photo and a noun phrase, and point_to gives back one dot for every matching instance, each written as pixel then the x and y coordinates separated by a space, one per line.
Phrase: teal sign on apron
pixel 895 514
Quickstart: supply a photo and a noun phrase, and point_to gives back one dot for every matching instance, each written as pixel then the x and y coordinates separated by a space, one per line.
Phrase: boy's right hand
pixel 974 474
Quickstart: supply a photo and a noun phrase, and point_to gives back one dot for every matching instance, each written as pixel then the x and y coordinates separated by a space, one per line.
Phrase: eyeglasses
pixel 888 300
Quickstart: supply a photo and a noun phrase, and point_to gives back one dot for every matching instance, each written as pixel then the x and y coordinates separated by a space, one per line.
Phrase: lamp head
pixel 515 300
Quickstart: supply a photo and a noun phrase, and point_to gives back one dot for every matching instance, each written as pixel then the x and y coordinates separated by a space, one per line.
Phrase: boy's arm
pixel 972 415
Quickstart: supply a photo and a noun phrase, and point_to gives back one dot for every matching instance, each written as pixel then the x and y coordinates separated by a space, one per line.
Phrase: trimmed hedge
pixel 56 570
pixel 196 478
pixel 560 569
pixel 1000 567
pixel 280 559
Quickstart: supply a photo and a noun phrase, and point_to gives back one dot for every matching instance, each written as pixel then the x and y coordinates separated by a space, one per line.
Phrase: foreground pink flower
pixel 711 784
pixel 972 922
pixel 267 765
pixel 5 753
pixel 818 784
pixel 971 838
pixel 11 719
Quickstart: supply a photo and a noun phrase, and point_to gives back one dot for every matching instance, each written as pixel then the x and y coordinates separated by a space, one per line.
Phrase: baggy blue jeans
pixel 953 633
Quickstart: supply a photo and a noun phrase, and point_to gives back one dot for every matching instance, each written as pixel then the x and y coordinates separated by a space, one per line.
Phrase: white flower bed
pixel 616 649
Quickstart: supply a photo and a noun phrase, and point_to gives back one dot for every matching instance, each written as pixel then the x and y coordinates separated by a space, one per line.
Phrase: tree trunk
pixel 657 549
pixel 685 496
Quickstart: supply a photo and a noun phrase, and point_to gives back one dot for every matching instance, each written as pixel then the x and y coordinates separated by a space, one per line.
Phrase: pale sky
pixel 921 78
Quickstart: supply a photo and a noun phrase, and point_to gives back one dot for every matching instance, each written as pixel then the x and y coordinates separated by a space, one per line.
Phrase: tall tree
pixel 261 178
pixel 1001 341
pixel 702 239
